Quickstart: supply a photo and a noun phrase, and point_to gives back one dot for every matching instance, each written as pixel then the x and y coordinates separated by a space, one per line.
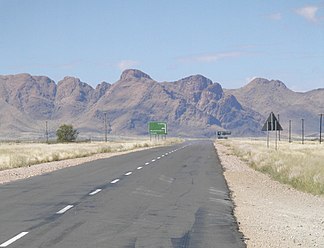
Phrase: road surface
pixel 172 196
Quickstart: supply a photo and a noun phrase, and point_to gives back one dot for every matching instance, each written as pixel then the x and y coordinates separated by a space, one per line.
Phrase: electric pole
pixel 303 131
pixel 289 131
pixel 46 131
pixel 320 129
pixel 105 120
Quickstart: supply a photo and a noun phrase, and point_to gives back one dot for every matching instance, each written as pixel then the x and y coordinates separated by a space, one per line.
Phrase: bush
pixel 66 133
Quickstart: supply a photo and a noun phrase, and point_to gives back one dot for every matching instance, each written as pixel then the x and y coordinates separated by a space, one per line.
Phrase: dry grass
pixel 14 155
pixel 301 166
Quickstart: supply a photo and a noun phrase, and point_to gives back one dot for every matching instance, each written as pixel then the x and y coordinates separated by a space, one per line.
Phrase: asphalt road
pixel 164 197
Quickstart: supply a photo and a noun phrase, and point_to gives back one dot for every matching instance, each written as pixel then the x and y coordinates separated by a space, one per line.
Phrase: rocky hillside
pixel 264 96
pixel 192 106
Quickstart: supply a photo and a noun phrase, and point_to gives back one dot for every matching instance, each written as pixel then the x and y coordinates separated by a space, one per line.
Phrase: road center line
pixel 153 160
pixel 128 173
pixel 95 192
pixel 10 241
pixel 158 157
pixel 115 181
pixel 63 210
pixel 140 167
pixel 147 163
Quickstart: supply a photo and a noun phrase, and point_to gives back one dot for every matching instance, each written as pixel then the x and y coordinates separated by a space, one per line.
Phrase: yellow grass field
pixel 13 155
pixel 299 165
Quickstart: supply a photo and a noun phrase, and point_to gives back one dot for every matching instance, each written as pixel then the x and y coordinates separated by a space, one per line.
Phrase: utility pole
pixel 303 131
pixel 320 129
pixel 289 139
pixel 46 131
pixel 106 131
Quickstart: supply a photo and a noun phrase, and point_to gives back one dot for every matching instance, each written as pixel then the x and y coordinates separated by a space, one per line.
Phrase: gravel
pixel 271 214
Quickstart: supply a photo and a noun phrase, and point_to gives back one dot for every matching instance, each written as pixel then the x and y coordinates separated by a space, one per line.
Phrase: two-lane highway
pixel 163 197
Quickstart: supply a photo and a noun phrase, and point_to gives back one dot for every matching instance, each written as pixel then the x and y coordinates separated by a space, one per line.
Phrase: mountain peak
pixel 195 82
pixel 133 73
pixel 197 78
pixel 264 82
pixel 70 78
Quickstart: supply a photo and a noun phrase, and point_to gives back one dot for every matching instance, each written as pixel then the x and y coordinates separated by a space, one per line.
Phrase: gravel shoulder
pixel 38 169
pixel 271 214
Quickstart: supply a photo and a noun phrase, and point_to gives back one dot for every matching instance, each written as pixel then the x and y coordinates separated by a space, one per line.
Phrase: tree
pixel 66 133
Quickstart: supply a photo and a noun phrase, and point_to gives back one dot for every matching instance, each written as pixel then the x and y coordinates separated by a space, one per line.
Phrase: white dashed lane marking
pixel 63 210
pixel 10 241
pixel 115 181
pixel 95 192
pixel 68 207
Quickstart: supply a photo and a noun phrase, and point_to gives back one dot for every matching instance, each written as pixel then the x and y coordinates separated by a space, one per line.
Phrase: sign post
pixel 272 124
pixel 223 134
pixel 158 128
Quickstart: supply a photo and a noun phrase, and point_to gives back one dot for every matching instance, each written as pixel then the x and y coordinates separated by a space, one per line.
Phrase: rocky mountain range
pixel 264 96
pixel 193 106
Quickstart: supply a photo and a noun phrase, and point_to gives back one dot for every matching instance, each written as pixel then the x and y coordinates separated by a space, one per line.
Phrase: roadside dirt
pixel 34 170
pixel 271 214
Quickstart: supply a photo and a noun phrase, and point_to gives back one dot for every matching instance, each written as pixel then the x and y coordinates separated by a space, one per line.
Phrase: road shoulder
pixel 271 214
pixel 39 169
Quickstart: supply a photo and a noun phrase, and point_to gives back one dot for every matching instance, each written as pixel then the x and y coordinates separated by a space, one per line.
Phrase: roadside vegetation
pixel 66 133
pixel 14 155
pixel 299 165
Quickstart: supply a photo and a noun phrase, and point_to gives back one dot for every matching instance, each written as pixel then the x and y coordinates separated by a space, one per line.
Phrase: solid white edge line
pixel 128 173
pixel 63 210
pixel 95 192
pixel 140 167
pixel 10 241
pixel 115 181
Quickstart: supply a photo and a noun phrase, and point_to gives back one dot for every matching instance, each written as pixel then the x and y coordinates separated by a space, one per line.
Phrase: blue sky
pixel 228 41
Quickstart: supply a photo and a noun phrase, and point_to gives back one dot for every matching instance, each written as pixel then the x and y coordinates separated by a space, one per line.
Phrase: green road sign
pixel 157 128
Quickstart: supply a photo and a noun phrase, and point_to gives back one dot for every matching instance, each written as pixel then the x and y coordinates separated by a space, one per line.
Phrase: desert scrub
pixel 14 155
pixel 301 166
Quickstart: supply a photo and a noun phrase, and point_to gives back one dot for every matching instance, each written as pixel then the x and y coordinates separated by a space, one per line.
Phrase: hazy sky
pixel 228 41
